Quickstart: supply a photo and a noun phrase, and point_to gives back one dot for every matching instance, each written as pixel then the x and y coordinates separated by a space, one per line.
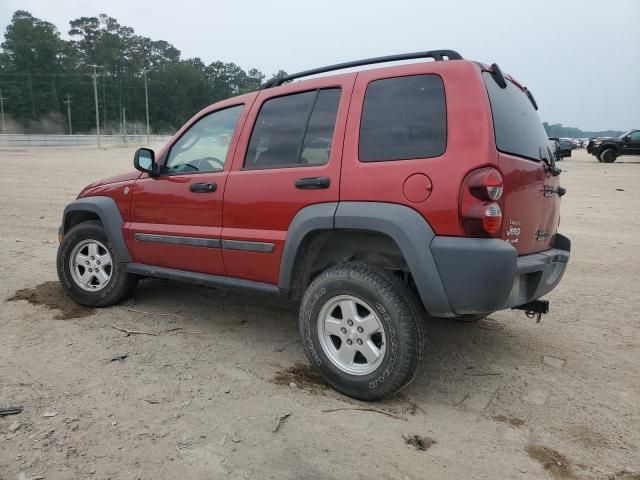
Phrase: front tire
pixel 608 155
pixel 362 330
pixel 88 269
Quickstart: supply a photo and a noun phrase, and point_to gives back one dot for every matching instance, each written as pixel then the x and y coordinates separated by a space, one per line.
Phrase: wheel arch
pixel 106 211
pixel 403 234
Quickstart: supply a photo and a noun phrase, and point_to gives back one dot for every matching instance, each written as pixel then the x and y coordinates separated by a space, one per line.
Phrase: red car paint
pixel 259 205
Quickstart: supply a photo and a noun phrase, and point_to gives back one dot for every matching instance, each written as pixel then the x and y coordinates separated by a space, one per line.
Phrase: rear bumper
pixel 486 275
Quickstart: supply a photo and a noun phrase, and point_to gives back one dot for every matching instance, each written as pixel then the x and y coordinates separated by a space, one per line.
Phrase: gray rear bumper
pixel 486 275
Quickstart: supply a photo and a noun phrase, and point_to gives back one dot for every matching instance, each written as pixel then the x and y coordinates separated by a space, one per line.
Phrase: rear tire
pixel 608 155
pixel 88 268
pixel 349 313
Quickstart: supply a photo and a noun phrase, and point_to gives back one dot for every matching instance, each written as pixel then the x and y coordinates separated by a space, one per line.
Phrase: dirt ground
pixel 222 388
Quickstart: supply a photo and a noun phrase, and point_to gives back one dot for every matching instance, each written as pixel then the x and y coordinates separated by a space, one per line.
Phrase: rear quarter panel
pixel 469 145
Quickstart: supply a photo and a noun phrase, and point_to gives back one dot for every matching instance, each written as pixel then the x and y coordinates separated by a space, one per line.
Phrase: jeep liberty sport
pixel 373 198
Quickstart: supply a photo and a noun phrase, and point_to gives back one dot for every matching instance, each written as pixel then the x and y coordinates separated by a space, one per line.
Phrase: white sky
pixel 581 59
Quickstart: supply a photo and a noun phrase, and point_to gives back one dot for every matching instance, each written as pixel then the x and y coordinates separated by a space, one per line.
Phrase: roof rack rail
pixel 437 55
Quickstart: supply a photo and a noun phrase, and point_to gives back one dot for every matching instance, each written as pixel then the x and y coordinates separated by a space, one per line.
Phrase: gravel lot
pixel 504 398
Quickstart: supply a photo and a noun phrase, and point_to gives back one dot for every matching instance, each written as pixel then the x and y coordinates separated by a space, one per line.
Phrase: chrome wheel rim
pixel 91 265
pixel 351 335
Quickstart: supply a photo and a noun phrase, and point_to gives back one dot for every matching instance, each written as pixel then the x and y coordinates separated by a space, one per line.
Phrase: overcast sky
pixel 580 58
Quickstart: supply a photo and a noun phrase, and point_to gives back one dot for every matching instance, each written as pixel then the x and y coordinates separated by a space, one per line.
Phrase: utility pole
pixel 2 99
pixel 68 102
pixel 124 125
pixel 95 97
pixel 146 102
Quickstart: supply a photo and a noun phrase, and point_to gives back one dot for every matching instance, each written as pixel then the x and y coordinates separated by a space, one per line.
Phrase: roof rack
pixel 437 55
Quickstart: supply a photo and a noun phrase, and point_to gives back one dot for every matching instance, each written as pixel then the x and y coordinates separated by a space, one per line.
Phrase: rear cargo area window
pixel 294 130
pixel 403 118
pixel 517 126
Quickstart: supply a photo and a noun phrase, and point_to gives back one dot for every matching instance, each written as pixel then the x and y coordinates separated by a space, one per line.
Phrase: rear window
pixel 517 126
pixel 403 118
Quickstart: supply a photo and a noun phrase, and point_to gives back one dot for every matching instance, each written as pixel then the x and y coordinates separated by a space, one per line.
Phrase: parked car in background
pixel 565 147
pixel 608 149
pixel 558 152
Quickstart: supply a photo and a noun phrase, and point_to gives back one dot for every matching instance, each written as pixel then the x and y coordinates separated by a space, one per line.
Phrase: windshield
pixel 625 134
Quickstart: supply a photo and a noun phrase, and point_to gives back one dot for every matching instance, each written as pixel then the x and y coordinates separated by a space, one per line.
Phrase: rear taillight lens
pixel 480 212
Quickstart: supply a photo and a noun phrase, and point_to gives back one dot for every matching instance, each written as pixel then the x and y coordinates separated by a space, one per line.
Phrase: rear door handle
pixel 314 183
pixel 203 187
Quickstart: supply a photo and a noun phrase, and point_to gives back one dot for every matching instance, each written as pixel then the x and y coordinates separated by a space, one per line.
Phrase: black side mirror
pixel 627 138
pixel 145 161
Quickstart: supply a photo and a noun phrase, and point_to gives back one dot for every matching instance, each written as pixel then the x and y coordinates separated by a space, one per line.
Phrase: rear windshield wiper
pixel 555 171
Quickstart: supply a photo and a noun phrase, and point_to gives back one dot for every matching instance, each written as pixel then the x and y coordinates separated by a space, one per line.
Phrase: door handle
pixel 314 183
pixel 203 187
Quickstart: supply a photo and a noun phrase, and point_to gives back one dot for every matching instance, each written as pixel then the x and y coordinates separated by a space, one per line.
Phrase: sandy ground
pixel 505 398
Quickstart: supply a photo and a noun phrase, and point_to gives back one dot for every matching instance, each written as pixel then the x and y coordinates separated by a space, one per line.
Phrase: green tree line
pixel 38 69
pixel 40 72
pixel 558 130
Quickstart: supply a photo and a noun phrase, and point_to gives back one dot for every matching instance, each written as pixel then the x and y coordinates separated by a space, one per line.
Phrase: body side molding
pixel 178 240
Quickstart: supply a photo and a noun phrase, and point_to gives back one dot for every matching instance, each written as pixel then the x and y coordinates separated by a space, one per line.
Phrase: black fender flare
pixel 107 211
pixel 606 146
pixel 309 219
pixel 402 224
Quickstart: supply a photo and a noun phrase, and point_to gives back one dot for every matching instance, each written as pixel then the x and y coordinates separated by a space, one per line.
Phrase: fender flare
pixel 309 219
pixel 406 227
pixel 107 211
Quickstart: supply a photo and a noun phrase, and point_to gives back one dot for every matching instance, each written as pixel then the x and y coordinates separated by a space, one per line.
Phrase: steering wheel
pixel 206 164
pixel 214 162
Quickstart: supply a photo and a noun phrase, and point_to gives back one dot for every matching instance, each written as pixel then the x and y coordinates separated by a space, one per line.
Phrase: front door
pixel 176 216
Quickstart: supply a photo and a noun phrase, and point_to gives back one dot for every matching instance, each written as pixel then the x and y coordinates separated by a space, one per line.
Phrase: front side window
pixel 635 136
pixel 403 118
pixel 203 148
pixel 294 130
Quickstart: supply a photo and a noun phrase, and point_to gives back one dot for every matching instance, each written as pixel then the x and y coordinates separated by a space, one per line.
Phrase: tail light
pixel 480 212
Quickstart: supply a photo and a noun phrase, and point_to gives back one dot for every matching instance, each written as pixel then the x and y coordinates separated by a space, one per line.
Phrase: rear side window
pixel 517 126
pixel 403 118
pixel 294 130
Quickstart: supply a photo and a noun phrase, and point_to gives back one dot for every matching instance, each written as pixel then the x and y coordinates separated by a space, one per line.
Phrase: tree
pixel 557 130
pixel 38 69
pixel 32 55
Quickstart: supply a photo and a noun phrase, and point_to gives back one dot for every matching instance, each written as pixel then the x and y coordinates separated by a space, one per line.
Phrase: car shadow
pixel 461 359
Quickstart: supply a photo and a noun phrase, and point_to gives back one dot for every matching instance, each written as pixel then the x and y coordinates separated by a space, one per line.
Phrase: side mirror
pixel 627 138
pixel 145 161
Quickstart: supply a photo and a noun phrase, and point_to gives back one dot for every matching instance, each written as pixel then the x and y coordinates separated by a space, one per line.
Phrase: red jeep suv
pixel 369 197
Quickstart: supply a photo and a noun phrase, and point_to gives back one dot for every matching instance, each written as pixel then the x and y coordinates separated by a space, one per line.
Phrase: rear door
pixel 531 200
pixel 288 157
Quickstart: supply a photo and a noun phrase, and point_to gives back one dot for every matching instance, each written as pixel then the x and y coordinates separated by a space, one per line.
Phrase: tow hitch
pixel 534 309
